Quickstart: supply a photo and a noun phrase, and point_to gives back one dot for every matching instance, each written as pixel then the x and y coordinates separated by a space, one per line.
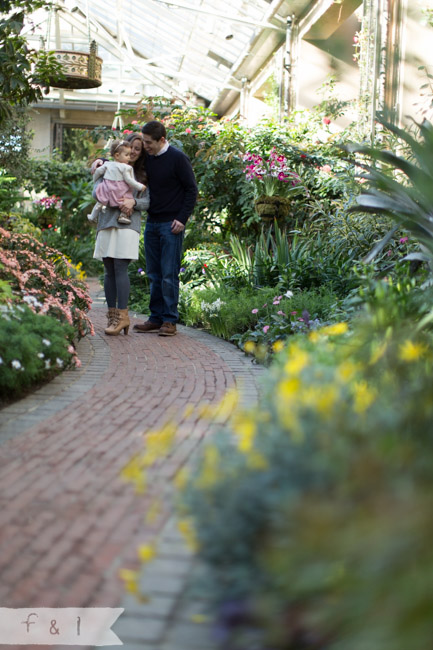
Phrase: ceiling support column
pixel 288 94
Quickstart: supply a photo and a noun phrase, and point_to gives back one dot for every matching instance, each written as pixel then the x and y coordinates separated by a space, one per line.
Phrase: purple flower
pixel 182 269
pixel 139 270
pixel 403 240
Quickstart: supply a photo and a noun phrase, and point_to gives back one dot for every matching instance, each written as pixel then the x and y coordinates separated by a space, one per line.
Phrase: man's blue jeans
pixel 163 252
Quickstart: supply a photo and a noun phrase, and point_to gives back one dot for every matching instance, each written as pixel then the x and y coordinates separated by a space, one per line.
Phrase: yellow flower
pixel 288 388
pixel 158 444
pixel 364 396
pixel 250 347
pixel 377 352
pixel 278 346
pixel 181 478
pixel 326 399
pixel 335 330
pixel 297 360
pixel 210 467
pixel 188 411
pixel 314 336
pixel 134 473
pixel 130 578
pixel 346 371
pixel 199 618
pixel 186 527
pixel 146 552
pixel 228 404
pixel 245 428
pixel 410 351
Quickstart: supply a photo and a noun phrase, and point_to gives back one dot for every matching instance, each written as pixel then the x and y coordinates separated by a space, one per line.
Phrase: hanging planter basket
pixel 81 69
pixel 272 207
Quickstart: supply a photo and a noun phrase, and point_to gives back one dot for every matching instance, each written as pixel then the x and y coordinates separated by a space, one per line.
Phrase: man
pixel 173 194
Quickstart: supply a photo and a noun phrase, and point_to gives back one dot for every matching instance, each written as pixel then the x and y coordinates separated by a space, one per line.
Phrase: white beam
pixel 219 14
pixel 104 38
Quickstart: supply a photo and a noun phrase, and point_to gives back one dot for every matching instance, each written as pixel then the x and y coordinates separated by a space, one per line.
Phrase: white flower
pixel 31 300
pixel 212 307
pixel 46 342
pixel 1 361
pixel 16 364
pixel 47 364
pixel 289 294
pixel 59 362
pixel 40 355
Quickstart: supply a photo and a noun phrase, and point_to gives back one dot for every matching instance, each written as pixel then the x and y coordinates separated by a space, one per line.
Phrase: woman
pixel 117 244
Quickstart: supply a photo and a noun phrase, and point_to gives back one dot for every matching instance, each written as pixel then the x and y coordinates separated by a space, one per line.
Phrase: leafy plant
pixel 400 188
pixel 33 348
pixel 23 71
pixel 296 508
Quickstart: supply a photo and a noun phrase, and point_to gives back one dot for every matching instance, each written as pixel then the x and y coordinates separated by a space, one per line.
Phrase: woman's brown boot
pixel 121 322
pixel 111 316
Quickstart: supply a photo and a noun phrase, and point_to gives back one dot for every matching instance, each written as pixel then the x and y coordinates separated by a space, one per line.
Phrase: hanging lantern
pixel 81 69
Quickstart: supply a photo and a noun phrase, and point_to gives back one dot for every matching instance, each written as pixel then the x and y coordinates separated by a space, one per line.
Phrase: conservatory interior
pixel 260 477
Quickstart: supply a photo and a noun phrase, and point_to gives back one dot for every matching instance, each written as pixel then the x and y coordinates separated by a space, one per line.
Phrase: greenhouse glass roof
pixel 175 48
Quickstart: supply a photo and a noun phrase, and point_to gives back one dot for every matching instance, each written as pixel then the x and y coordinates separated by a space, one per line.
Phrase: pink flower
pixel 293 313
pixel 403 240
pixel 389 252
pixel 326 168
pixel 254 311
pixel 326 120
pixel 276 302
pixel 265 329
pixel 281 313
pixel 188 130
pixel 134 122
pixel 200 119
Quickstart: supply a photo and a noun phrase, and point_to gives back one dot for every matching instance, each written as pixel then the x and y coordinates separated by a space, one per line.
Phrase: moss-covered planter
pixel 272 207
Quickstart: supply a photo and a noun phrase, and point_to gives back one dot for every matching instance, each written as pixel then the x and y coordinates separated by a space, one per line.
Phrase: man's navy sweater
pixel 172 186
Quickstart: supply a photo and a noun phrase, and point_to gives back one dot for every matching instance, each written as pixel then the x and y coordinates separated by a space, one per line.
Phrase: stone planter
pixel 81 69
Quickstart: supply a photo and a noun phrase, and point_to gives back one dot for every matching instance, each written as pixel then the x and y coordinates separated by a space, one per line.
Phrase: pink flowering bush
pixel 272 176
pixel 43 278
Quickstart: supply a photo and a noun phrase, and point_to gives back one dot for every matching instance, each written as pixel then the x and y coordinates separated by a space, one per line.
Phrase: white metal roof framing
pixel 155 47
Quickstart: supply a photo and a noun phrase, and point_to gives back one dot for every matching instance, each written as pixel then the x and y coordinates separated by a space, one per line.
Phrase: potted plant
pixel 46 211
pixel 274 183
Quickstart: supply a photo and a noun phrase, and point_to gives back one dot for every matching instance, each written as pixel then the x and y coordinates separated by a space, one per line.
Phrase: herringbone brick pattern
pixel 68 522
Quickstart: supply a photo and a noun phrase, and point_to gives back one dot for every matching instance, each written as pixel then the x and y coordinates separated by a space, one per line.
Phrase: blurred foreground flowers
pixel 312 511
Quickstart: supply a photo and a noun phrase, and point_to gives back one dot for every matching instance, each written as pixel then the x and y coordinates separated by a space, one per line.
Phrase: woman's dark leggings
pixel 116 282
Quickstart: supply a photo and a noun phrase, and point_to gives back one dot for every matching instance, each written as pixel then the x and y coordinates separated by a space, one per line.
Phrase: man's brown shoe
pixel 148 326
pixel 167 329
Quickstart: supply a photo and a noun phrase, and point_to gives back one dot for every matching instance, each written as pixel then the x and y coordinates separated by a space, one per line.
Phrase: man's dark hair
pixel 155 129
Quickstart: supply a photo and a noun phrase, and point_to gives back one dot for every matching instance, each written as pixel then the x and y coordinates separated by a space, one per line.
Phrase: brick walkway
pixel 67 521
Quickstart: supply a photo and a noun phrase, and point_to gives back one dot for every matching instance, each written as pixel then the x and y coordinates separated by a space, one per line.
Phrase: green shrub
pixel 241 315
pixel 33 348
pixel 312 511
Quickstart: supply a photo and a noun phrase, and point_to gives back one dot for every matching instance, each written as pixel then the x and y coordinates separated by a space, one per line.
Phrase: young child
pixel 118 181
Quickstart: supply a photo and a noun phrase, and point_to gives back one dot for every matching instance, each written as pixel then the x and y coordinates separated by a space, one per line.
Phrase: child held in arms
pixel 118 181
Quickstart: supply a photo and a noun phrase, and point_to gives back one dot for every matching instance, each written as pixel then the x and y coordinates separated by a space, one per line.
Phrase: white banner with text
pixel 59 625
